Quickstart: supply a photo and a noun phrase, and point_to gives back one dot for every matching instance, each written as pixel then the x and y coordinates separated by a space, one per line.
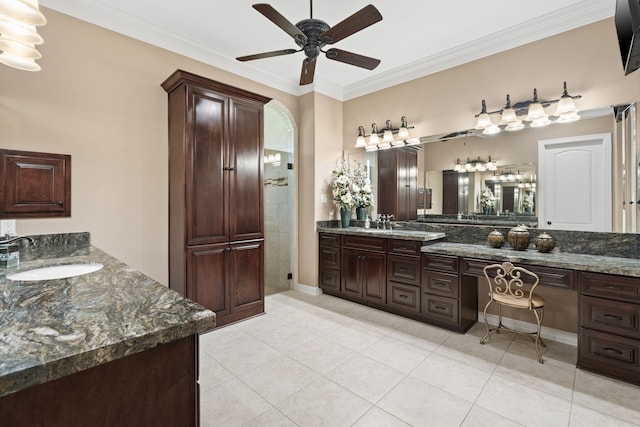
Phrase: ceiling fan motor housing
pixel 312 28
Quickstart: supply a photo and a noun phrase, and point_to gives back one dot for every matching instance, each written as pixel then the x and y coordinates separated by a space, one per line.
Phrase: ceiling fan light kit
pixel 312 35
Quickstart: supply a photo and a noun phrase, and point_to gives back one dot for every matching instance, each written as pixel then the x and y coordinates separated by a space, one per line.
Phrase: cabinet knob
pixel 229 168
pixel 548 222
pixel 60 203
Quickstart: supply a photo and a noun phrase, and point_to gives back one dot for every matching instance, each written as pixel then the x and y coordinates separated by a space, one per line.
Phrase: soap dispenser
pixel 9 255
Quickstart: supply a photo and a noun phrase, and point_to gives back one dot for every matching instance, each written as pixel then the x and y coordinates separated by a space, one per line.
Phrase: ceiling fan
pixel 311 35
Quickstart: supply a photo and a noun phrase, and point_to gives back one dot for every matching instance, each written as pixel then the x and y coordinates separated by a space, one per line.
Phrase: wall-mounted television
pixel 627 18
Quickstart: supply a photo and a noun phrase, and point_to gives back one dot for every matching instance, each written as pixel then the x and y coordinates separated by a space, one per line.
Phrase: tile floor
pixel 323 361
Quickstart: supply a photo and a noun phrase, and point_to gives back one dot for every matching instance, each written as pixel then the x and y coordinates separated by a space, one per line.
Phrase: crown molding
pixel 579 14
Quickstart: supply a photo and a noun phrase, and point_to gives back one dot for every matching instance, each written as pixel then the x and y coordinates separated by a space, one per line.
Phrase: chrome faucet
pixel 16 238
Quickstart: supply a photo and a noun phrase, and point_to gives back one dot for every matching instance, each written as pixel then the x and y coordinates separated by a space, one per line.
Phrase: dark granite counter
pixel 595 263
pixel 421 236
pixel 53 328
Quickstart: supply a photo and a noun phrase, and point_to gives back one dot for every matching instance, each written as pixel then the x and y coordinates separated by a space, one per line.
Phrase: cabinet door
pixel 35 184
pixel 207 278
pixel 206 179
pixel 351 272
pixel 246 284
pixel 245 170
pixel 374 277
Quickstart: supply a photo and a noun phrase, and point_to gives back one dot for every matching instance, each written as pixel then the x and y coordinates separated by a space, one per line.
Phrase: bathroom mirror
pixel 438 154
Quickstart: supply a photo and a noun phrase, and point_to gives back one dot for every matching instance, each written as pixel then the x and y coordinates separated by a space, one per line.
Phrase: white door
pixel 574 183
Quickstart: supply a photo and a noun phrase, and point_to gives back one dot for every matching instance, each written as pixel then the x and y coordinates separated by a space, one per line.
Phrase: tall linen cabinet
pixel 216 213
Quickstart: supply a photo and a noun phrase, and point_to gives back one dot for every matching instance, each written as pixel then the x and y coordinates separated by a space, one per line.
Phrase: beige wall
pixel 98 98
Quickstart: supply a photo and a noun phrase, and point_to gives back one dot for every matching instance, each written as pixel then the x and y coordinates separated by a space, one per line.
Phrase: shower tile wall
pixel 278 224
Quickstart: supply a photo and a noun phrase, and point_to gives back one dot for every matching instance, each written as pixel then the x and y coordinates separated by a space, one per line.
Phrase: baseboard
pixel 306 289
pixel 551 334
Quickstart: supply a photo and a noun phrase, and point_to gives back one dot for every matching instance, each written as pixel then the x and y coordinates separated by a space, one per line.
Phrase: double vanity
pixel 429 272
pixel 104 347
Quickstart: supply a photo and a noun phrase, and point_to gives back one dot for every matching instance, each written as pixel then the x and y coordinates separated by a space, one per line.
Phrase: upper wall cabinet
pixel 34 185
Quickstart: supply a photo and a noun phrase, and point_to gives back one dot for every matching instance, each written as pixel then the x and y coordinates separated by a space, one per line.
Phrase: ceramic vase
pixel 519 238
pixel 345 217
pixel 361 213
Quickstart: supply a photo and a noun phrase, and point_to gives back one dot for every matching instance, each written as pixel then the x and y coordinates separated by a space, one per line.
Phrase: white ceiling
pixel 414 39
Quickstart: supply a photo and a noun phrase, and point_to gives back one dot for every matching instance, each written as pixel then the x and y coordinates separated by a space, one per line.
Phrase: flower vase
pixel 345 216
pixel 361 213
pixel 487 210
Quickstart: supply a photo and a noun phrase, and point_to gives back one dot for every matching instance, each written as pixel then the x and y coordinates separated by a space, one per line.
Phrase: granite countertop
pixel 555 258
pixel 421 236
pixel 53 328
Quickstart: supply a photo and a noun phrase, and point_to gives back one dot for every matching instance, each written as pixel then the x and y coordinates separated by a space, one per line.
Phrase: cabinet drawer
pixel 328 239
pixel 444 263
pixel 610 316
pixel 609 286
pixel 556 277
pixel 443 284
pixel 440 309
pixel 404 269
pixel 609 354
pixel 404 247
pixel 329 257
pixel 403 297
pixel 361 242
pixel 473 267
pixel 330 279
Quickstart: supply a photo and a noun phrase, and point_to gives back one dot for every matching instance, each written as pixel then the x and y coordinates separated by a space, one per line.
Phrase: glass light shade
pixel 403 133
pixel 508 116
pixel 374 139
pixel 384 146
pixel 16 30
pixel 535 112
pixel 17 48
pixel 494 177
pixel 19 62
pixel 491 129
pixel 360 142
pixel 491 165
pixel 484 120
pixel 458 167
pixel 565 106
pixel 413 141
pixel 568 118
pixel 514 126
pixel 371 147
pixel 26 11
pixel 388 136
pixel 397 143
pixel 541 122
pixel 469 167
pixel 480 167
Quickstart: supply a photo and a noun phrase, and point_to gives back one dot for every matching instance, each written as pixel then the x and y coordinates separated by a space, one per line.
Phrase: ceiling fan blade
pixel 353 58
pixel 366 16
pixel 267 54
pixel 274 16
pixel 308 69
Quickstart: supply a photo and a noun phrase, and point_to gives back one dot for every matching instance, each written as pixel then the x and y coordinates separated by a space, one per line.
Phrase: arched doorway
pixel 279 199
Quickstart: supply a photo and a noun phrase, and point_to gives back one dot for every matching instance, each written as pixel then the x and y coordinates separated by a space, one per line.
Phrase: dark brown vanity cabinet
pixel 363 273
pixel 609 333
pixel 35 185
pixel 448 300
pixel 216 224
pixel 403 276
pixel 329 262
pixel 398 183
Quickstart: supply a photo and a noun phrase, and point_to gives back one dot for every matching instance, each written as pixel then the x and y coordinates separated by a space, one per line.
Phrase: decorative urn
pixel 544 242
pixel 519 237
pixel 495 239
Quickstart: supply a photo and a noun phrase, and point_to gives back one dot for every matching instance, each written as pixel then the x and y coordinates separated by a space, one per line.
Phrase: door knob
pixel 548 222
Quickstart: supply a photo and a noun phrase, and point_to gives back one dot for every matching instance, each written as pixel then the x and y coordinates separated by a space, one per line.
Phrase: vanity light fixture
pixel 475 165
pixel 384 139
pixel 530 111
pixel 18 34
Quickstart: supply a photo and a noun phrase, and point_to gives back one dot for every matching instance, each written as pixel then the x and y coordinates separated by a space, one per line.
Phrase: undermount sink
pixel 55 272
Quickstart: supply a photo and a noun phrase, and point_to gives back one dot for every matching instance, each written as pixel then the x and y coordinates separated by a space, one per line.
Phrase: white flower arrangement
pixel 487 199
pixel 350 186
pixel 528 202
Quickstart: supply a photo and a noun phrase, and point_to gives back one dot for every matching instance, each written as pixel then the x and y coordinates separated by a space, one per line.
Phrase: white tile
pixel 354 339
pixel 271 418
pixel 212 374
pixel 396 354
pixel 231 404
pixel 608 396
pixel 480 417
pixel 546 377
pixel 523 404
pixel 418 403
pixel 581 416
pixel 245 355
pixel 324 403
pixel 286 337
pixel 278 378
pixel 376 417
pixel 455 377
pixel 365 377
pixel 217 339
pixel 421 335
pixel 555 353
pixel 468 350
pixel 321 355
